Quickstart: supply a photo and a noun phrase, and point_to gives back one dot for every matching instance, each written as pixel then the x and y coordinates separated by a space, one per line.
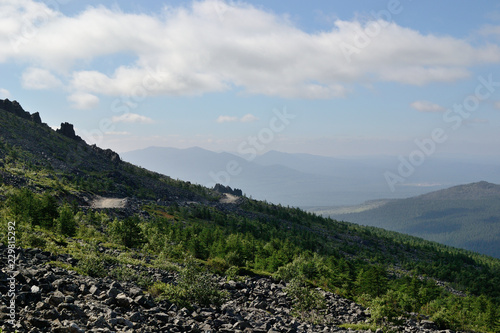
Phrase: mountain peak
pixel 470 191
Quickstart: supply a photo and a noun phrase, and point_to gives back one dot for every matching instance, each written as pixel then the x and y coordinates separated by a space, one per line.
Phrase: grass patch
pixel 361 327
pixel 63 265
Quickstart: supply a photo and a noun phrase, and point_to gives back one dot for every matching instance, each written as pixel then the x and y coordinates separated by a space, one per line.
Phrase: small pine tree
pixel 48 210
pixel 372 281
pixel 127 231
pixel 66 224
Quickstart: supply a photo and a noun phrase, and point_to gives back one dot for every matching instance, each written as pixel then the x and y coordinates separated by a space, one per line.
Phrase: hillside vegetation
pixel 48 183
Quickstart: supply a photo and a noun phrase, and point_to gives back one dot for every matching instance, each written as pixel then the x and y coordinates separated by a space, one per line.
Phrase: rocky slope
pixel 54 299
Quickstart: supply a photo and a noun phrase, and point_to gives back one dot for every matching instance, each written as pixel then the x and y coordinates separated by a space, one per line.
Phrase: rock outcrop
pixel 226 189
pixel 68 130
pixel 35 117
pixel 15 108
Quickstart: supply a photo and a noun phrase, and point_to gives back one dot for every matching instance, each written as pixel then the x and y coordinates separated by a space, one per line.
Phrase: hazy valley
pixel 304 180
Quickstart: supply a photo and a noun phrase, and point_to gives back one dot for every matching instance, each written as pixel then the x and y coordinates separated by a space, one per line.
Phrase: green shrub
pixel 172 293
pixel 307 302
pixel 200 286
pixel 35 240
pixel 386 307
pixel 162 262
pixel 127 232
pixel 92 266
pixel 232 273
pixel 219 265
pixel 194 286
pixel 127 274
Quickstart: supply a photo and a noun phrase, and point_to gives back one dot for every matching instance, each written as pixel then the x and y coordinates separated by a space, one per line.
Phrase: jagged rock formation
pixel 226 189
pixel 68 130
pixel 35 117
pixel 15 108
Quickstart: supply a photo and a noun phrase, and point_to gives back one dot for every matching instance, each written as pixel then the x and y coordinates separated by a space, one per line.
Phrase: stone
pixel 123 300
pixel 112 292
pixel 136 317
pixel 39 323
pixel 56 298
pixel 93 290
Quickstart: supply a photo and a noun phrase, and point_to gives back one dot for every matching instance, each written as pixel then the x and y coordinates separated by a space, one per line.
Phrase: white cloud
pixel 490 30
pixel 39 79
pixel 227 119
pixel 132 118
pixel 213 46
pixel 426 106
pixel 83 101
pixel 248 118
pixel 4 93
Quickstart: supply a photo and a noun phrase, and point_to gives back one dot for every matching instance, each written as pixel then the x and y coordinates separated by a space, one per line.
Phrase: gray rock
pixel 56 298
pixel 123 300
pixel 113 292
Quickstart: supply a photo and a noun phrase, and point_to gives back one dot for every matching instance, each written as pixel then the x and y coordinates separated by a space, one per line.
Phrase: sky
pixel 334 78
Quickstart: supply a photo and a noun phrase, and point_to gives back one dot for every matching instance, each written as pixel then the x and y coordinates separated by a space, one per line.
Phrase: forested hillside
pixel 174 254
pixel 465 216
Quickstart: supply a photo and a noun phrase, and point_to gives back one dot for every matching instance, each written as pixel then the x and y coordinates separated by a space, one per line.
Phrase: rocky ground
pixel 53 299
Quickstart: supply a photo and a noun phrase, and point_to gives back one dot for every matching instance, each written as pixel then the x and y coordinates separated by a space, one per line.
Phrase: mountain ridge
pixel 477 190
pixel 465 216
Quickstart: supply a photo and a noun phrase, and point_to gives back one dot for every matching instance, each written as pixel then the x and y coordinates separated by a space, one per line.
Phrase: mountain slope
pixel 465 216
pixel 168 254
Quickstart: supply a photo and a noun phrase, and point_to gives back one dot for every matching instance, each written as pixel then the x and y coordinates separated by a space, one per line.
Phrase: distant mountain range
pixel 465 216
pixel 306 180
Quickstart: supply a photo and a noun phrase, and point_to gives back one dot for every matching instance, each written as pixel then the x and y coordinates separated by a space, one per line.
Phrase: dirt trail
pixel 101 202
pixel 228 198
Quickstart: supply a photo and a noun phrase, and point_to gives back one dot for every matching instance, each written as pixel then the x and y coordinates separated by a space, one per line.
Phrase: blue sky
pixel 354 78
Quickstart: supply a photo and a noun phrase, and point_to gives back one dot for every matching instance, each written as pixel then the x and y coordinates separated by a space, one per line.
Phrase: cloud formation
pixel 248 118
pixel 214 46
pixel 83 101
pixel 226 119
pixel 39 79
pixel 426 106
pixel 132 118
pixel 4 93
